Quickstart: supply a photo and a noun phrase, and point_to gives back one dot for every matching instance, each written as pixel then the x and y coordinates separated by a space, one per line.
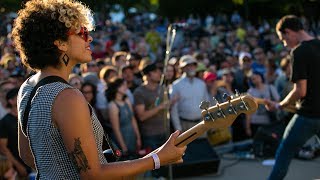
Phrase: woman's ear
pixel 62 45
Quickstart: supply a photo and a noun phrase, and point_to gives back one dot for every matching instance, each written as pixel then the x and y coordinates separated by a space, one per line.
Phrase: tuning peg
pixel 220 112
pixel 204 105
pixel 237 93
pixel 215 101
pixel 227 97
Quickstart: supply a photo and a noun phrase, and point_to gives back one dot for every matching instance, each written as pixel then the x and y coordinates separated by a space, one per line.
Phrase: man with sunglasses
pixel 306 122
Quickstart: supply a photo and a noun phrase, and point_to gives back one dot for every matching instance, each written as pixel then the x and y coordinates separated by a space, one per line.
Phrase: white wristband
pixel 156 161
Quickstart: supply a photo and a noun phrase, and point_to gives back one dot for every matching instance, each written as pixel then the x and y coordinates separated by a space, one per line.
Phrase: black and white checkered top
pixel 51 157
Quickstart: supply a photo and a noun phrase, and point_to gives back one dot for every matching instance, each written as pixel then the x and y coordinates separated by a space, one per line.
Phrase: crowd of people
pixel 210 57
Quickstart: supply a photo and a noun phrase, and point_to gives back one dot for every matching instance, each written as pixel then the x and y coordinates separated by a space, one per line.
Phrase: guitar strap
pixel 44 81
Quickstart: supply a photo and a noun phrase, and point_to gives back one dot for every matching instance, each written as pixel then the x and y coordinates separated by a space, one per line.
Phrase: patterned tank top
pixel 51 157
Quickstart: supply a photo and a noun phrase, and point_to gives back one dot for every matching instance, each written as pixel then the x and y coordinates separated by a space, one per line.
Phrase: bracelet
pixel 156 161
pixel 277 106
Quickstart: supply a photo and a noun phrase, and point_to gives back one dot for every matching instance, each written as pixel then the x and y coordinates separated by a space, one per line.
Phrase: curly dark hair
pixel 113 87
pixel 40 23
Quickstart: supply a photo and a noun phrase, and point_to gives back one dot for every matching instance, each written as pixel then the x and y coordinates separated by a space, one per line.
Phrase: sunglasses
pixel 84 33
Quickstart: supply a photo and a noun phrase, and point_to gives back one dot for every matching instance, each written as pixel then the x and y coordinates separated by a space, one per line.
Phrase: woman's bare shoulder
pixel 70 104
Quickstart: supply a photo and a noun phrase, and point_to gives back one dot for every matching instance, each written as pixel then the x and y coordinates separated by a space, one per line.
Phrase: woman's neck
pixel 63 71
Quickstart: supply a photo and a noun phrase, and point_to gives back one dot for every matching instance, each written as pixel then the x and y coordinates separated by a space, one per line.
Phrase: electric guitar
pixel 218 116
pixel 290 108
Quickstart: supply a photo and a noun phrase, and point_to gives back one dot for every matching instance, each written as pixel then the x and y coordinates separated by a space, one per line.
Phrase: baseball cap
pixel 209 76
pixel 185 60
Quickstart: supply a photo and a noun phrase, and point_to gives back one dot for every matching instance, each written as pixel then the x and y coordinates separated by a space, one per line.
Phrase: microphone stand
pixel 163 84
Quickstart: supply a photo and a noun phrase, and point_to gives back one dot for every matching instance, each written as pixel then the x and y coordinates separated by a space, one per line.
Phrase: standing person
pixel 89 92
pixel 170 75
pixel 261 117
pixel 150 108
pixel 9 136
pixel 5 86
pixel 185 113
pixel 241 76
pixel 150 112
pixel 306 122
pixel 61 139
pixel 124 125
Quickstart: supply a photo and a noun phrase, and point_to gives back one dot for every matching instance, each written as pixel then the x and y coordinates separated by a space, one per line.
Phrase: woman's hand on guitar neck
pixel 169 153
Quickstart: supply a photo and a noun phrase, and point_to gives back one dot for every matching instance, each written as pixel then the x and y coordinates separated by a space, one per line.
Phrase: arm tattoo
pixel 78 157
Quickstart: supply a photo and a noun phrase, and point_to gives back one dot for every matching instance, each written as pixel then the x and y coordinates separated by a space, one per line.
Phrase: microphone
pixel 180 25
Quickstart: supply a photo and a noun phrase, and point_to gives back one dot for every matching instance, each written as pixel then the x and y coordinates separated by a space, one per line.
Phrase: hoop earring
pixel 65 59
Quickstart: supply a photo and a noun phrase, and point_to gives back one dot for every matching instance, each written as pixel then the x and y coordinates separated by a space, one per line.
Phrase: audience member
pixel 9 135
pixel 185 113
pixel 124 125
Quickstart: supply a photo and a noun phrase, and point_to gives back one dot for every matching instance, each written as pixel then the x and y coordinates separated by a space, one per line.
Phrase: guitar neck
pixel 290 108
pixel 191 134
pixel 218 116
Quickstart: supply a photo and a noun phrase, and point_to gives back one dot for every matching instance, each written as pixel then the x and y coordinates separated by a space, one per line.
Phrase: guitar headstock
pixel 222 115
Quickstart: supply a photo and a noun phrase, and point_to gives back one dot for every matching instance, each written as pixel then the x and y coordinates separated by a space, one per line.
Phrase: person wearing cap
pixel 241 76
pixel 190 91
pixel 210 79
pixel 9 136
pixel 201 68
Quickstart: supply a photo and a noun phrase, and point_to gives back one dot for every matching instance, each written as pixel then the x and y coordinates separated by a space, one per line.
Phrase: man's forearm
pixel 148 113
pixel 291 98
